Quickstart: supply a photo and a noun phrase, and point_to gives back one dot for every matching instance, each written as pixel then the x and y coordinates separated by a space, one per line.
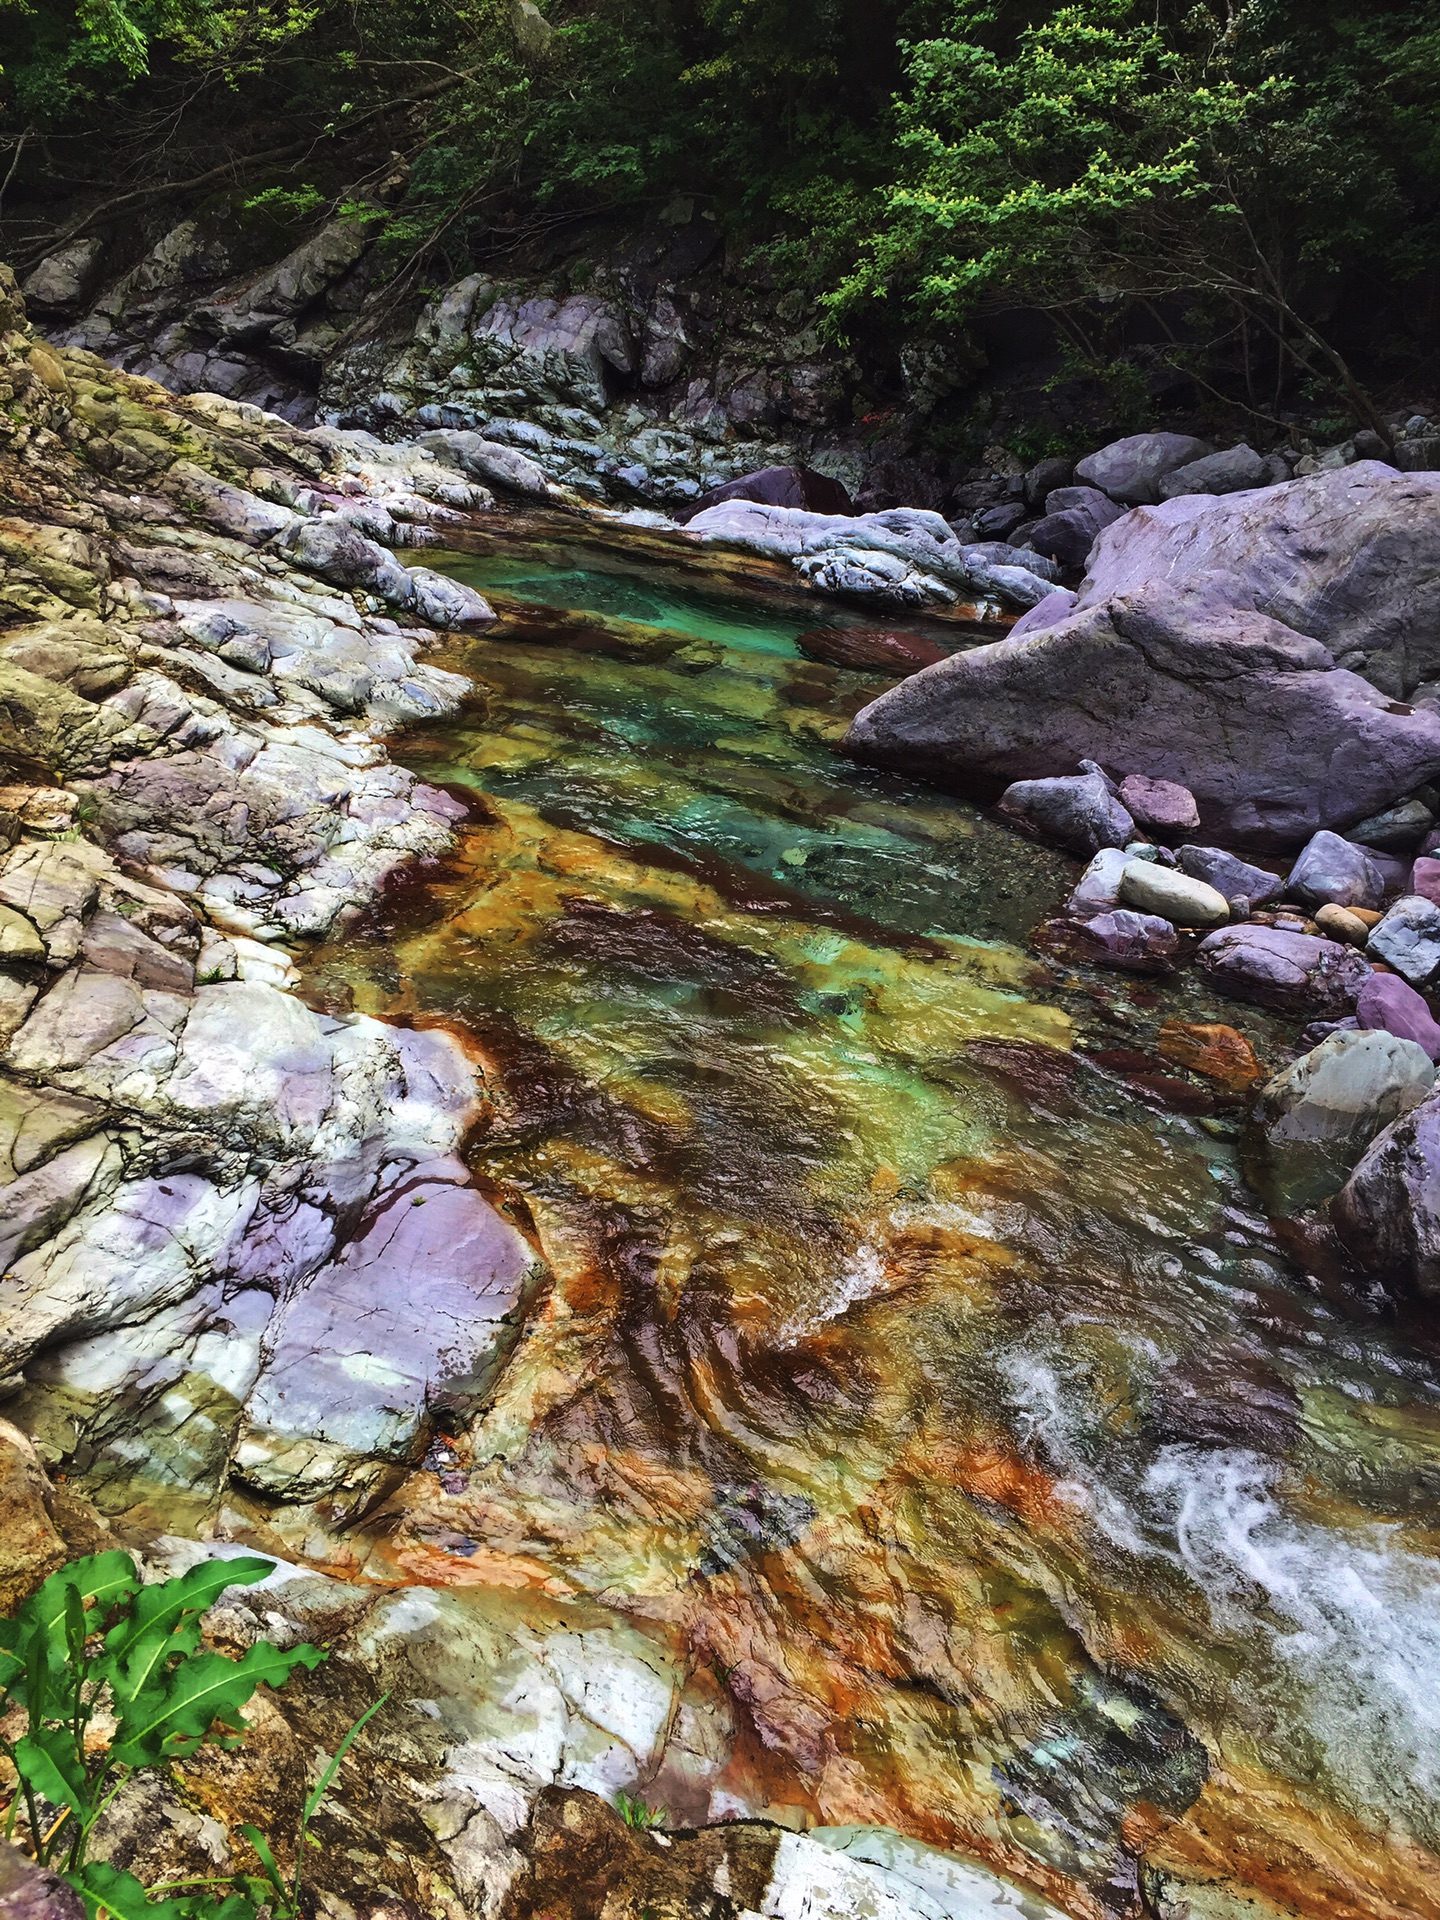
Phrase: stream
pixel 913 1356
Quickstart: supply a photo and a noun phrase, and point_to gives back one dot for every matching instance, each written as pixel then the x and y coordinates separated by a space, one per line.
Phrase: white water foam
pixel 1342 1626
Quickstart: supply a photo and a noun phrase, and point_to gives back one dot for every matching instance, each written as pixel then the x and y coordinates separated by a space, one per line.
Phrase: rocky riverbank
pixel 243 1237
pixel 248 1226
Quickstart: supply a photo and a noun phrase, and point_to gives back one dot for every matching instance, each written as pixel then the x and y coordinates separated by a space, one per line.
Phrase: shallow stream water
pixel 914 1357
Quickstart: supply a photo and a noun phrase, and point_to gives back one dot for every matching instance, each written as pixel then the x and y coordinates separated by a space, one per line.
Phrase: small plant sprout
pixel 638 1813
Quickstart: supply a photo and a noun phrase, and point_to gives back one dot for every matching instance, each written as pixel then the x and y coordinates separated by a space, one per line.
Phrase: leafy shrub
pixel 96 1645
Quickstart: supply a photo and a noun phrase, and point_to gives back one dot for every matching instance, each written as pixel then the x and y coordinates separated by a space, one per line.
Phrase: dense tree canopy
pixel 916 160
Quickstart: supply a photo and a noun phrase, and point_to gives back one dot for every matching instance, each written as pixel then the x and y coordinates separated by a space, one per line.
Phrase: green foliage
pixel 1099 152
pixel 95 1640
pixel 638 1813
pixel 59 56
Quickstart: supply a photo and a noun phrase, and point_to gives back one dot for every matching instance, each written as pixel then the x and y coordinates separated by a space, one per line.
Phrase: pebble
pixel 1173 896
pixel 1338 923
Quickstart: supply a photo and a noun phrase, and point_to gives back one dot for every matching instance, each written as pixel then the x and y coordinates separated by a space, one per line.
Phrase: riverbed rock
pixel 1150 888
pixel 333 548
pixel 1408 939
pixel 1387 1003
pixel 490 461
pixel 1335 870
pixel 1232 470
pixel 870 649
pixel 1350 558
pixel 1133 942
pixel 1388 1213
pixel 778 487
pixel 1425 879
pixel 1243 885
pixel 1399 829
pixel 1291 972
pixel 1098 889
pixel 1131 470
pixel 1272 739
pixel 1316 1118
pixel 1339 923
pixel 446 603
pixel 1160 806
pixel 1073 519
pixel 911 555
pixel 1079 811
pixel 1213 1050
pixel 414 1314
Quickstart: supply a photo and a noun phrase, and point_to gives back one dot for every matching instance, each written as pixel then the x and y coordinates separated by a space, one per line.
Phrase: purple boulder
pixel 1292 972
pixel 1387 1004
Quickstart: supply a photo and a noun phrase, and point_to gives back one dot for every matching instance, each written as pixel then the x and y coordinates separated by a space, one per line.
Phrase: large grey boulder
pixel 487 460
pixel 1243 886
pixel 1273 740
pixel 1131 470
pixel 858 555
pixel 1350 558
pixel 1291 972
pixel 1334 871
pixel 336 551
pixel 65 279
pixel 1080 811
pixel 1230 471
pixel 1074 517
pixel 1316 1118
pixel 1388 1212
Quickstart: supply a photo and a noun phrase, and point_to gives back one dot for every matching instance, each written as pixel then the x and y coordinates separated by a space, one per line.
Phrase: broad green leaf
pixel 108 1890
pixel 100 1579
pixel 47 1760
pixel 176 1713
pixel 165 1620
pixel 118 1893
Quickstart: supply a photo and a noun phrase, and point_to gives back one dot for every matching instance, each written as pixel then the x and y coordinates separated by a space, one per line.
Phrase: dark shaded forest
pixel 1252 186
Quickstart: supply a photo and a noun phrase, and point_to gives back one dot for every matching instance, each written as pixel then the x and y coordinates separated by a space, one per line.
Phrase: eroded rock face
pixel 903 557
pixel 188 1150
pixel 1350 558
pixel 1271 738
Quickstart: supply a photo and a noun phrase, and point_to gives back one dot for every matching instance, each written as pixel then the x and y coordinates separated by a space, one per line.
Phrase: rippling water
pixel 915 1356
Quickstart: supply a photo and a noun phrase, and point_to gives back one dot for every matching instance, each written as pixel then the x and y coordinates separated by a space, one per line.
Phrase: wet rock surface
pixel 1156 683
pixel 1292 972
pixel 861 1424
pixel 1316 1118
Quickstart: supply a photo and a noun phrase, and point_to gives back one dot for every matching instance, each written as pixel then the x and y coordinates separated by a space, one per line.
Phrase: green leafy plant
pixel 638 1813
pixel 111 1679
